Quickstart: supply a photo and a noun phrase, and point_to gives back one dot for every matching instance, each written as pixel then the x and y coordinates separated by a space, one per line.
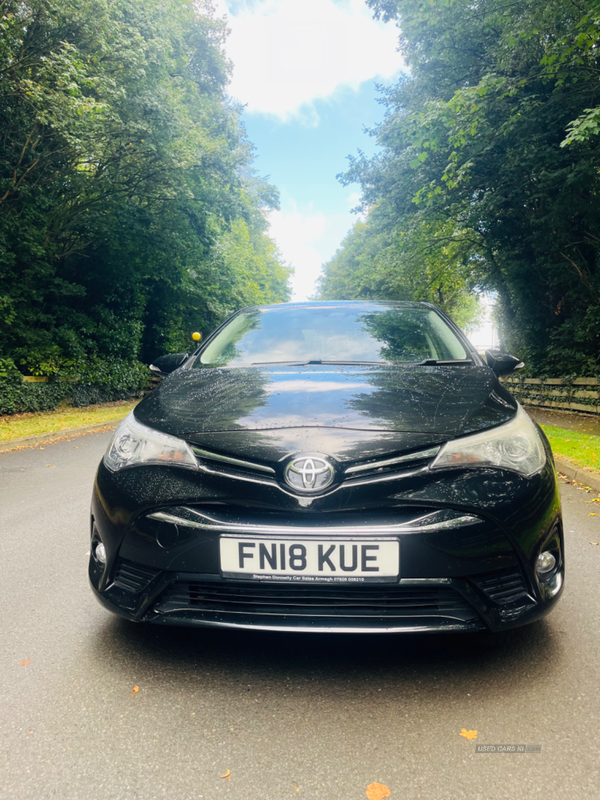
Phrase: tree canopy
pixel 489 172
pixel 130 213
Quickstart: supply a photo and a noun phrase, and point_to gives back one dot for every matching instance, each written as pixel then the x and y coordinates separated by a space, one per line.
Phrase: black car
pixel 333 466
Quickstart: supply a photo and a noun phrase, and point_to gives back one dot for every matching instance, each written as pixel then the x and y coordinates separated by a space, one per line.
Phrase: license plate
pixel 310 560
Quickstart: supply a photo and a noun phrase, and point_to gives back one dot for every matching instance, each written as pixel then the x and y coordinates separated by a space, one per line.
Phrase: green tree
pixel 379 260
pixel 491 141
pixel 125 175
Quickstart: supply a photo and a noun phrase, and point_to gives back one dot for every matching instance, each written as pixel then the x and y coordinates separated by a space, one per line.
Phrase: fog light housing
pixel 545 564
pixel 100 553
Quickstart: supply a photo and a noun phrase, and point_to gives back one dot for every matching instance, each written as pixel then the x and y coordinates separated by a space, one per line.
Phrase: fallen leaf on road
pixel 468 734
pixel 377 791
pixel 227 775
pixel 135 691
pixel 24 662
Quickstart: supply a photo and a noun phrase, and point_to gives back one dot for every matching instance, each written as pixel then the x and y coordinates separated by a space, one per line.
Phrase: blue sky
pixel 306 72
pixel 303 163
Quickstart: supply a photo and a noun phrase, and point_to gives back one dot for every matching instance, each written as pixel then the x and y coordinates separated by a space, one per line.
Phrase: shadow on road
pixel 511 659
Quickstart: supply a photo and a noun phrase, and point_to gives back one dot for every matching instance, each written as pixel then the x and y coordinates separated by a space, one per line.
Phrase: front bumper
pixel 412 607
pixel 459 570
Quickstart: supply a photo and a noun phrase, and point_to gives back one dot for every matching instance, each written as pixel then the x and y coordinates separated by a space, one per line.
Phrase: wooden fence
pixel 577 394
pixel 153 382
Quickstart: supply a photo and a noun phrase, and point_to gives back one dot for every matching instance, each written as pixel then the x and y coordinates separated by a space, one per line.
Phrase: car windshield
pixel 333 334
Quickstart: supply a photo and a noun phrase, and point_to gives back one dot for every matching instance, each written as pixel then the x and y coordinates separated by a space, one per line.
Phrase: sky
pixel 306 72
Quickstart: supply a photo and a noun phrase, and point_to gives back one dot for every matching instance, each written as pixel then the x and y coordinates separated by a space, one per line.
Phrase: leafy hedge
pixel 93 382
pixel 130 213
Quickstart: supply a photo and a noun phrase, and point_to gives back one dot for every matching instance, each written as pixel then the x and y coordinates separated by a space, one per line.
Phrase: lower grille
pixel 134 577
pixel 503 587
pixel 335 602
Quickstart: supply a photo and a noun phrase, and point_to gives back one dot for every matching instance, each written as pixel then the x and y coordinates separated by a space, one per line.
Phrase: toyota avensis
pixel 336 466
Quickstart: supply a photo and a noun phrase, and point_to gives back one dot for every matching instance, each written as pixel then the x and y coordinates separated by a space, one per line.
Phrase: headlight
pixel 134 443
pixel 517 445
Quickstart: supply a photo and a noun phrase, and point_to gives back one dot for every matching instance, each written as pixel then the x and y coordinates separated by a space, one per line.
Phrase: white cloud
pixel 298 236
pixel 353 199
pixel 306 240
pixel 288 53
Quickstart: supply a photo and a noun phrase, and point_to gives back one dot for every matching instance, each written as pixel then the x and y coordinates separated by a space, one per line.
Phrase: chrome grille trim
pixel 351 477
pixel 388 476
pixel 431 627
pixel 350 482
pixel 229 460
pixel 239 476
pixel 389 462
pixel 425 524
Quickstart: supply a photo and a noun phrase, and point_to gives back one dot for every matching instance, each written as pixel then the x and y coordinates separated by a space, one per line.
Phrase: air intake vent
pixel 504 586
pixel 333 602
pixel 134 577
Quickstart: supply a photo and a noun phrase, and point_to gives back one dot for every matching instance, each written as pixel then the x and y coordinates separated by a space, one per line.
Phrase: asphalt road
pixel 290 716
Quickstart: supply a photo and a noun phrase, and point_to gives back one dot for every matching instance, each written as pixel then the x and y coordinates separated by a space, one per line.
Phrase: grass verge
pixel 583 449
pixel 18 426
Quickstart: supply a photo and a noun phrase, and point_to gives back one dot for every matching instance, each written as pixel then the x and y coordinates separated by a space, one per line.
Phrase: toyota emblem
pixel 309 473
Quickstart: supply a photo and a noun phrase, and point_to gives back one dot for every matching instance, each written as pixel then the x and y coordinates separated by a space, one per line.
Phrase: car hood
pixel 378 408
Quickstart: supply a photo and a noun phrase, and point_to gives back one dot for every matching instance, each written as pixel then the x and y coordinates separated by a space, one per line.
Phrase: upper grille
pixel 334 602
pixel 361 472
pixel 219 458
pixel 504 586
pixel 134 577
pixel 396 465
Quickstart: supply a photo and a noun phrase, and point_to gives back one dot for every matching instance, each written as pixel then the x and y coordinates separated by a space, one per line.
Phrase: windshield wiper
pixel 312 361
pixel 378 363
pixel 436 362
pixel 282 363
pixel 427 362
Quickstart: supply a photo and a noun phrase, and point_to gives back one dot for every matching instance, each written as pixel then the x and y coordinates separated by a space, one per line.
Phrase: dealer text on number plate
pixel 310 560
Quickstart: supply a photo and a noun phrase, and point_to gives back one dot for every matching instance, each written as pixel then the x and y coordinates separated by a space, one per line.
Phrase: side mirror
pixel 502 363
pixel 166 364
